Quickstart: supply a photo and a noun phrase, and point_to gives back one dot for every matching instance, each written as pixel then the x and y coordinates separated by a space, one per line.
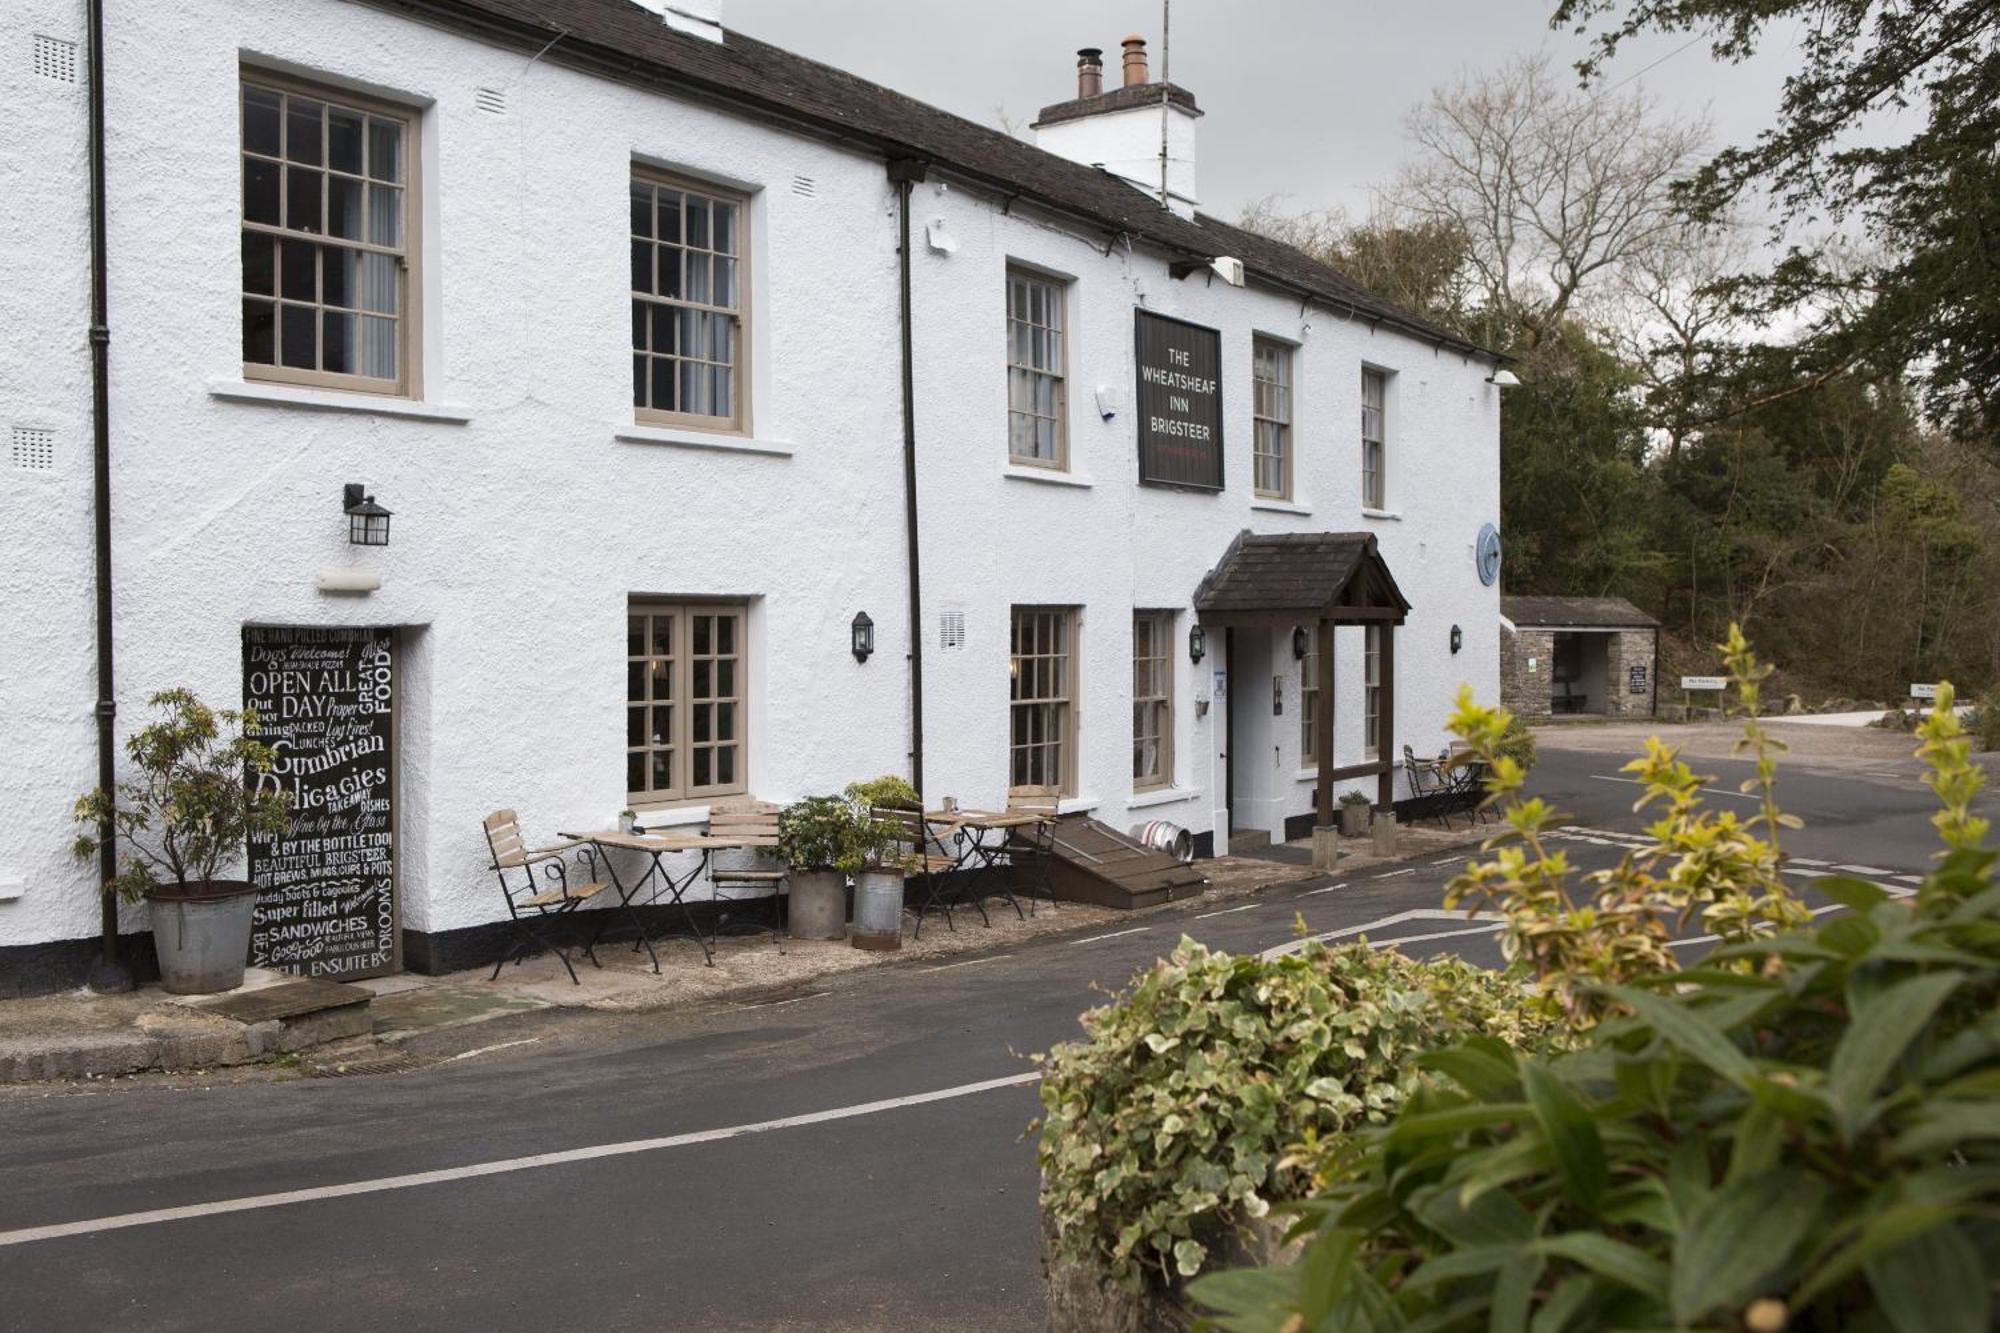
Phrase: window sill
pixel 683 438
pixel 332 400
pixel 1047 476
pixel 671 816
pixel 1381 513
pixel 1271 504
pixel 1077 805
pixel 1160 796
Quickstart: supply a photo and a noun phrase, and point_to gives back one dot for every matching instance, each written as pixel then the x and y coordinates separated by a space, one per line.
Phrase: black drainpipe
pixel 905 172
pixel 108 974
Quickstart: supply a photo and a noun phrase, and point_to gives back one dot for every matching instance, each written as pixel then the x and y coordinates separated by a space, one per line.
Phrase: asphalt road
pixel 574 1184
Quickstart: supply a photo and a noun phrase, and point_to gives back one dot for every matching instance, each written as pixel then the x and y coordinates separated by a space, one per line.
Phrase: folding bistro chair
pixel 928 866
pixel 1428 784
pixel 530 904
pixel 754 824
pixel 1032 847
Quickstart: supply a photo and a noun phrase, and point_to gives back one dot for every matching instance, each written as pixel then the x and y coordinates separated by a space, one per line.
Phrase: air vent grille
pixel 951 630
pixel 490 100
pixel 805 187
pixel 55 59
pixel 32 449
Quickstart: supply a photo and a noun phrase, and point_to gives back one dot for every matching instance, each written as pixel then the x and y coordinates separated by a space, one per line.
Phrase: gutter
pixel 109 974
pixel 904 173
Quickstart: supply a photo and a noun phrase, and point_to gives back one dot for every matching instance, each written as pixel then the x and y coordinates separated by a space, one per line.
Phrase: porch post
pixel 1326 835
pixel 1385 794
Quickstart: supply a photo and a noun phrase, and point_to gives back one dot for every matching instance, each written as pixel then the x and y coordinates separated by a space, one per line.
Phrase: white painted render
pixel 1127 143
pixel 528 508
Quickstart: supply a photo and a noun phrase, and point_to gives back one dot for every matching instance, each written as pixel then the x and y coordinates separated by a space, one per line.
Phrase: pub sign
pixel 1180 403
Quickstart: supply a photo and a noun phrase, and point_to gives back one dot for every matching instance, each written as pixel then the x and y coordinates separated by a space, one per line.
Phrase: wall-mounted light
pixel 1504 379
pixel 1197 643
pixel 1301 643
pixel 1457 638
pixel 863 630
pixel 367 522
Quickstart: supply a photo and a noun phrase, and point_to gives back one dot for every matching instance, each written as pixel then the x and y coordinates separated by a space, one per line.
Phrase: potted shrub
pixel 1353 814
pixel 820 840
pixel 182 817
pixel 885 852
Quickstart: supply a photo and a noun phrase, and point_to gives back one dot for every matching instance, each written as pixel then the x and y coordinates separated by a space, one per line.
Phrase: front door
pixel 326 705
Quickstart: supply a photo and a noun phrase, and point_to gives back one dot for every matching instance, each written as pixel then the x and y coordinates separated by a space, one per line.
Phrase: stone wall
pixel 1526 658
pixel 1626 651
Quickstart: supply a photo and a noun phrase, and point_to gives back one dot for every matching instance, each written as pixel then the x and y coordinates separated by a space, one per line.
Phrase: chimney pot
pixel 1089 71
pixel 1135 61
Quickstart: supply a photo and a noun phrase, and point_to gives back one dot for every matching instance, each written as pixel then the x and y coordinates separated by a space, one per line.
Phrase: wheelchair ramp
pixel 1095 863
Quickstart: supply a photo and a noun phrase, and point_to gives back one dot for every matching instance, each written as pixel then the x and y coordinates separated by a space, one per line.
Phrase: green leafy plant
pixel 1982 721
pixel 888 792
pixel 821 833
pixel 1207 1089
pixel 883 843
pixel 193 801
pixel 1353 796
pixel 1517 743
pixel 1699 863
pixel 1801 1133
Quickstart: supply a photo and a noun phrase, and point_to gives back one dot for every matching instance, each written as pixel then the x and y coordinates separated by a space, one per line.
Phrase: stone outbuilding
pixel 1577 655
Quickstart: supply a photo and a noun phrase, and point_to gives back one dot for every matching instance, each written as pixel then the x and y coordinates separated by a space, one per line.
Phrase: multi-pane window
pixel 1042 692
pixel 1152 699
pixel 1371 694
pixel 684 701
pixel 688 349
pixel 1271 418
pixel 1374 479
pixel 326 228
pixel 1035 361
pixel 1309 701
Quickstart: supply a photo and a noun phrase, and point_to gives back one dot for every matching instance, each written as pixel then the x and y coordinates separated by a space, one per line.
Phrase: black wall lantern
pixel 1197 644
pixel 1300 642
pixel 1457 638
pixel 367 522
pixel 864 636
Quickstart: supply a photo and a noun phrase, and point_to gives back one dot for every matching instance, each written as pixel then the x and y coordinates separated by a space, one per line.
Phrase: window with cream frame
pixel 1041 693
pixel 1371 691
pixel 1374 438
pixel 1152 700
pixel 1271 418
pixel 686 696
pixel 1037 365
pixel 329 236
pixel 1309 701
pixel 690 303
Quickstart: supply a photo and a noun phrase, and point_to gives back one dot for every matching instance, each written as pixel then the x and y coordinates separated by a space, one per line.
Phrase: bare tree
pixel 1668 310
pixel 1553 187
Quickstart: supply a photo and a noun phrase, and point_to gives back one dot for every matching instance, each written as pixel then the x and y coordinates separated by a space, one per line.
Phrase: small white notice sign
pixel 1704 682
pixel 1923 691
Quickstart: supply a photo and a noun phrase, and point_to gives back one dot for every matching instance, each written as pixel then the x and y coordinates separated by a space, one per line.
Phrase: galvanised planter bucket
pixel 818 909
pixel 878 910
pixel 202 935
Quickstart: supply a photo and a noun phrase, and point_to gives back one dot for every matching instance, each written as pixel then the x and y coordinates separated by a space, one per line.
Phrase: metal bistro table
pixel 656 847
pixel 982 862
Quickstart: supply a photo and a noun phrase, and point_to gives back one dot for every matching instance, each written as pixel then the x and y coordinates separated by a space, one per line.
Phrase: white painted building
pixel 463 348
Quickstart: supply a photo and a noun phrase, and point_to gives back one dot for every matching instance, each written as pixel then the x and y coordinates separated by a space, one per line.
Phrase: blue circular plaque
pixel 1486 554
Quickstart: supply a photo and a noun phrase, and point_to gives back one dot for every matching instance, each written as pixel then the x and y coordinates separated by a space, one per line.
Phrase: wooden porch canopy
pixel 1322 579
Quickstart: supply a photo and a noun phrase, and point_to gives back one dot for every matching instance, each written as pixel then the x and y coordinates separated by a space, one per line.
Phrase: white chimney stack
pixel 696 18
pixel 1122 130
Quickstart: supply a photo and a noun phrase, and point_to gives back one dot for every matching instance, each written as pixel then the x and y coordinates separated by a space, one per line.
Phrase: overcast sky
pixel 1303 97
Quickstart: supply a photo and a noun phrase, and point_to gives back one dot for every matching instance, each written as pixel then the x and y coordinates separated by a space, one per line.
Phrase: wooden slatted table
pixel 656 847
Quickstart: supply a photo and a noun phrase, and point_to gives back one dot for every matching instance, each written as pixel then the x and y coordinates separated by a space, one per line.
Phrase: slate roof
pixel 620 40
pixel 1575 612
pixel 1116 99
pixel 1296 573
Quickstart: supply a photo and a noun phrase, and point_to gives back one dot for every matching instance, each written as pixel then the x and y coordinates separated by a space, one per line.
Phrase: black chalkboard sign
pixel 325 699
pixel 1180 403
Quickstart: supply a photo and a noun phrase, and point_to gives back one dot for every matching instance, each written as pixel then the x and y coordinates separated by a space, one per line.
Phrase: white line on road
pixel 1809 861
pixel 1865 870
pixel 1313 893
pixel 1391 874
pixel 488 1050
pixel 970 962
pixel 1414 914
pixel 1136 930
pixel 776 1004
pixel 249 1203
pixel 1225 911
pixel 1712 791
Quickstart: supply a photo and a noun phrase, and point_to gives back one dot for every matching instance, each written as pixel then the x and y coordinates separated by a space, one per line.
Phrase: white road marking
pixel 1391 874
pixel 1909 879
pixel 1450 861
pixel 970 962
pixel 1712 791
pixel 1136 930
pixel 488 1050
pixel 1414 914
pixel 1865 870
pixel 502 1166
pixel 1313 893
pixel 1809 861
pixel 776 1004
pixel 1225 911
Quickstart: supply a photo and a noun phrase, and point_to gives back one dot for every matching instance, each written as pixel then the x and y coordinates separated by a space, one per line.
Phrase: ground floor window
pixel 1152 700
pixel 685 692
pixel 1309 701
pixel 1042 692
pixel 1371 673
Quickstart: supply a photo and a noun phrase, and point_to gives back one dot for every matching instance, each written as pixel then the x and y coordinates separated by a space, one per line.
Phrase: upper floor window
pixel 1374 476
pixel 327 222
pixel 688 350
pixel 1271 380
pixel 1152 699
pixel 1035 366
pixel 685 695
